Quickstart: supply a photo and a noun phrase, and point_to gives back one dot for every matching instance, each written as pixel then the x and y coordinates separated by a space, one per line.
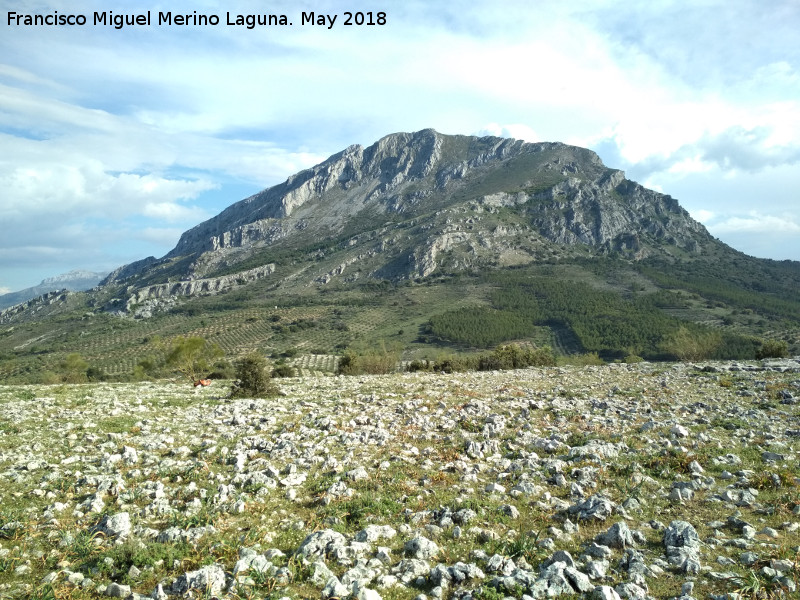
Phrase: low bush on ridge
pixel 508 356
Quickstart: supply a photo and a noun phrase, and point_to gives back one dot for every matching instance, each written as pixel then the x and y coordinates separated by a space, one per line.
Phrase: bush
pixel 510 356
pixel 192 357
pixel 74 369
pixel 694 344
pixel 373 362
pixel 773 349
pixel 455 363
pixel 96 374
pixel 284 370
pixel 419 365
pixel 253 378
pixel 513 356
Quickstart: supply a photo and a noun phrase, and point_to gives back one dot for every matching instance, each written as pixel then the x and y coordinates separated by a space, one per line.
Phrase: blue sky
pixel 113 142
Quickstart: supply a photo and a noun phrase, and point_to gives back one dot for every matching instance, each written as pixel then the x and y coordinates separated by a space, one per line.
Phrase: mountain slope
pixel 427 243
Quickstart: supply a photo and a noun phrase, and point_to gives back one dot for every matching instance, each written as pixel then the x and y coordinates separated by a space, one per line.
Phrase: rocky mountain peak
pixel 412 203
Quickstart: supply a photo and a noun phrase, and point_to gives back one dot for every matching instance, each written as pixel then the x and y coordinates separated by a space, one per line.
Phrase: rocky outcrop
pixel 196 287
pixel 613 214
pixel 35 305
pixel 397 174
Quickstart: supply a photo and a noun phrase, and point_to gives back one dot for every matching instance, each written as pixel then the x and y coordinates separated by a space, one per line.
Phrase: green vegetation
pixel 373 361
pixel 480 326
pixel 602 322
pixel 192 357
pixel 773 349
pixel 253 378
pixel 74 369
pixel 605 306
pixel 505 357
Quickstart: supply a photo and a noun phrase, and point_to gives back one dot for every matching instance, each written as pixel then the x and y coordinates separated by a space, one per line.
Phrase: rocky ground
pixel 646 480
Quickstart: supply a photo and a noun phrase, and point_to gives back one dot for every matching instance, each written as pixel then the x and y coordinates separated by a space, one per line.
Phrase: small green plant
pixel 83 545
pixel 12 524
pixel 521 546
pixel 755 588
pixel 26 395
pixel 44 592
pixel 253 378
pixel 488 592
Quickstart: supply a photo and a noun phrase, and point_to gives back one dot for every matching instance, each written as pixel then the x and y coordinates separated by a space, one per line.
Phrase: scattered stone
pixel 222 458
pixel 683 547
pixel 617 536
pixel 421 548
pixel 595 507
pixel 115 590
pixel 321 543
pixel 208 580
pixel 116 526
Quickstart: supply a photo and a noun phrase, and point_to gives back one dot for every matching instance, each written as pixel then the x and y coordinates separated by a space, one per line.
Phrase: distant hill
pixel 427 244
pixel 74 281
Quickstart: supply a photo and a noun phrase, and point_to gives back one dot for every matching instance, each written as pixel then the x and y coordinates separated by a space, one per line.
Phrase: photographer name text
pixel 195 19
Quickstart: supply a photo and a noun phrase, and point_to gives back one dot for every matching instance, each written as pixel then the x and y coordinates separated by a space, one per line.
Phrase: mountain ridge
pixel 76 280
pixel 561 194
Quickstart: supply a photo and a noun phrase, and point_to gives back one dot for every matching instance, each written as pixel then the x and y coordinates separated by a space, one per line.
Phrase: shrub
pixel 632 358
pixel 510 356
pixel 74 369
pixel 284 370
pixel 419 365
pixel 695 344
pixel 513 356
pixel 373 362
pixel 222 369
pixel 192 357
pixel 454 363
pixel 96 374
pixel 253 378
pixel 773 349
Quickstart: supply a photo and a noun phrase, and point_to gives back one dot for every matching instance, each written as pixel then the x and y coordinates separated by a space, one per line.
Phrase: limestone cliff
pixel 413 204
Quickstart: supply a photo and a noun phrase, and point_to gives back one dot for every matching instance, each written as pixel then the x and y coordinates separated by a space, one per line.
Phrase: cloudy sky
pixel 114 141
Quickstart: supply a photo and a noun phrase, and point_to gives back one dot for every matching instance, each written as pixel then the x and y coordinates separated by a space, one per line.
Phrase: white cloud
pixel 702 215
pixel 756 222
pixel 518 131
pixel 4 290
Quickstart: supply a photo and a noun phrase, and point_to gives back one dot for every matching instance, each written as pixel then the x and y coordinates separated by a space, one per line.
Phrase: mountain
pixel 76 281
pixel 425 243
pixel 415 203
